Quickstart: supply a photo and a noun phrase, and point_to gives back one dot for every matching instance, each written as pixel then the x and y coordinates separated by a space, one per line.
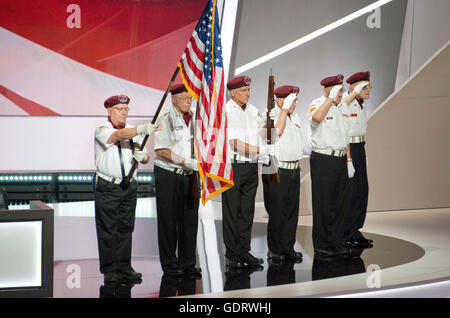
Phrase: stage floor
pixel 411 248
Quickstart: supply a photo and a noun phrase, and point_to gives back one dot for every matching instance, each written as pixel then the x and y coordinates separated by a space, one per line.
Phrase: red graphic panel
pixel 129 43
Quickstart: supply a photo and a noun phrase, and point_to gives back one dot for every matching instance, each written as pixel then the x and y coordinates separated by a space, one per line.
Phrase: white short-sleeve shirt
pixel 243 125
pixel 107 160
pixel 332 132
pixel 357 120
pixel 290 145
pixel 174 135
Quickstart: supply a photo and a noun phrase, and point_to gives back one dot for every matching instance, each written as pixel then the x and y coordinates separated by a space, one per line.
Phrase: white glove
pixel 335 91
pixel 350 169
pixel 146 129
pixel 271 167
pixel 260 121
pixel 140 155
pixel 273 113
pixel 264 159
pixel 358 88
pixel 191 164
pixel 267 150
pixel 289 100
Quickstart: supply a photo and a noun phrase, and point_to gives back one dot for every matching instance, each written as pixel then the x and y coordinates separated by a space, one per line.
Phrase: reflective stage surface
pixel 81 277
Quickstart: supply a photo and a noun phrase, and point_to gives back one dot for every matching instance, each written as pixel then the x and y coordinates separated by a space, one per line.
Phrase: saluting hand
pixel 289 100
pixel 358 88
pixel 335 91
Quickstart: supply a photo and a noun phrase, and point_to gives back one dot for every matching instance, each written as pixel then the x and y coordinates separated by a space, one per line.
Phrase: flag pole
pixel 125 182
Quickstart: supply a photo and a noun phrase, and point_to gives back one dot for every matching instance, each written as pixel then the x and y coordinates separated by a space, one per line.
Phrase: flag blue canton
pixel 204 30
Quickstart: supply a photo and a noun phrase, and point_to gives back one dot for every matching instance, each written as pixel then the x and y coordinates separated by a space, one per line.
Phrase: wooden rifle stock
pixel 270 124
pixel 126 181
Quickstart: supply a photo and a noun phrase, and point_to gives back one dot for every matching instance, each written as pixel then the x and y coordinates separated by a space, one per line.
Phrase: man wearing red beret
pixel 176 207
pixel 238 203
pixel 281 200
pixel 330 170
pixel 115 148
pixel 359 186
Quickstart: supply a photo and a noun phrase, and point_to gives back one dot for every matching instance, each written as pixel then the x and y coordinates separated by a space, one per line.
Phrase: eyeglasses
pixel 122 109
pixel 184 99
pixel 295 100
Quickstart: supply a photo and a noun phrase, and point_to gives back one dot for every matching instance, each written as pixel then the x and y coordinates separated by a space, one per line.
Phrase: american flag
pixel 201 68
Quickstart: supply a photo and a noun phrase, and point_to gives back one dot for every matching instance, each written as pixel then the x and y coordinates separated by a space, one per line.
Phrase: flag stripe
pixel 191 75
pixel 202 72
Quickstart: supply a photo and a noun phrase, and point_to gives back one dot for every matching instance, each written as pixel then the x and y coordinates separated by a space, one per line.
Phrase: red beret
pixel 332 80
pixel 360 76
pixel 284 91
pixel 177 89
pixel 117 99
pixel 239 82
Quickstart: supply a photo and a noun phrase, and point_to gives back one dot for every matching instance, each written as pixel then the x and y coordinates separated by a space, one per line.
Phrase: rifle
pixel 273 167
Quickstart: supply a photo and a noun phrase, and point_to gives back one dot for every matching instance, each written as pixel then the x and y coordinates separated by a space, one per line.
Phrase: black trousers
pixel 358 192
pixel 177 215
pixel 281 200
pixel 114 219
pixel 238 209
pixel 329 186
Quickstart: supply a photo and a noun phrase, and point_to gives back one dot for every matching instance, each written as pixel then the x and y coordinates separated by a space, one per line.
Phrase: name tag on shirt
pixel 179 128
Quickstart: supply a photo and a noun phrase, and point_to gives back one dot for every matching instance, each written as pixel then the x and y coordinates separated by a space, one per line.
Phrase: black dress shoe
pixel 364 241
pixel 111 278
pixel 129 273
pixel 275 257
pixel 351 243
pixel 173 271
pixel 134 272
pixel 234 263
pixel 193 272
pixel 249 259
pixel 323 252
pixel 293 256
pixel 343 249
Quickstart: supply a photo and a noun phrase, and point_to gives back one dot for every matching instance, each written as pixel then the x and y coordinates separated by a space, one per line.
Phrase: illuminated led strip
pixel 61 178
pixel 75 178
pixel 144 178
pixel 310 36
pixel 25 178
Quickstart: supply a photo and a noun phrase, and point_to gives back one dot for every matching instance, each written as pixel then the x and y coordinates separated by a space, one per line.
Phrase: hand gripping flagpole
pixel 126 181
